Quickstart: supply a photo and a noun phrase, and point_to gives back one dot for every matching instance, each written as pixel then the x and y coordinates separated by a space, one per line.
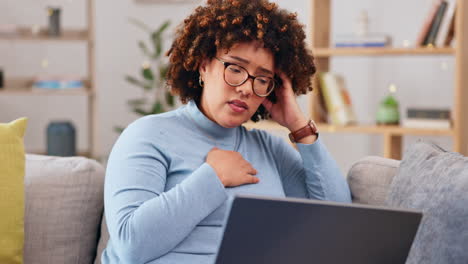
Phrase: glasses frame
pixel 227 64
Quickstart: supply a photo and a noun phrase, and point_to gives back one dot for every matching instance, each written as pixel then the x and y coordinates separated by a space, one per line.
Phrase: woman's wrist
pixel 300 123
pixel 299 126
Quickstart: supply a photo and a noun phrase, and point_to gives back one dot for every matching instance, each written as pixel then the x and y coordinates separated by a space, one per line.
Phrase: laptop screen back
pixel 274 231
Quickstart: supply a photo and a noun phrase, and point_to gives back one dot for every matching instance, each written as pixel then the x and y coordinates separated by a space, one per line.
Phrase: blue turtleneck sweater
pixel 165 204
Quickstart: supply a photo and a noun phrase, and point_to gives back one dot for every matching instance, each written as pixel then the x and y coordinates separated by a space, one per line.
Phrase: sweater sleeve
pixel 310 172
pixel 145 221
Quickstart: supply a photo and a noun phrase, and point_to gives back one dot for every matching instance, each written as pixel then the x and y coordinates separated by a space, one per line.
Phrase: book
pixel 336 98
pixel 428 22
pixel 320 114
pixel 431 36
pixel 446 23
pixel 426 123
pixel 57 83
pixel 451 32
pixel 427 118
pixel 427 113
pixel 370 40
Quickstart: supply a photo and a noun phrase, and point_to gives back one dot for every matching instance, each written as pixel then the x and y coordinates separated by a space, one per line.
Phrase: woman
pixel 169 176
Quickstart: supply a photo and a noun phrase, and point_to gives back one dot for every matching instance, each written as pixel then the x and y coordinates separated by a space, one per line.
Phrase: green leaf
pixel 158 46
pixel 157 39
pixel 119 129
pixel 144 48
pixel 169 99
pixel 137 102
pixel 137 82
pixel 163 27
pixel 141 111
pixel 163 71
pixel 390 101
pixel 140 24
pixel 147 74
pixel 157 108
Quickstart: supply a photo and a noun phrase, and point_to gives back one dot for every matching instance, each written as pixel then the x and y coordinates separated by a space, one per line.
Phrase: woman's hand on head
pixel 286 110
pixel 232 169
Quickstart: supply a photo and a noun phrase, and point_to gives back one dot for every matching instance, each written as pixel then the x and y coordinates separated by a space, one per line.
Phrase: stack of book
pixel 427 118
pixel 336 98
pixel 439 26
pixel 57 83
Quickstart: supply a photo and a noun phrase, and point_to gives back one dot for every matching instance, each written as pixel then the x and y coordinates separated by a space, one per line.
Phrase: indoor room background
pixel 422 81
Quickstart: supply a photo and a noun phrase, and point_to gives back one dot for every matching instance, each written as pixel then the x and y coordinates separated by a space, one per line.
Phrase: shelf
pixel 25 34
pixel 327 52
pixel 26 91
pixel 264 125
pixel 384 129
pixel 21 87
pixel 365 129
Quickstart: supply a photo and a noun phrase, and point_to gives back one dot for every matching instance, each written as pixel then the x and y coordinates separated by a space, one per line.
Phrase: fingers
pixel 286 89
pixel 247 167
pixel 267 104
pixel 252 171
pixel 249 179
pixel 213 149
pixel 285 79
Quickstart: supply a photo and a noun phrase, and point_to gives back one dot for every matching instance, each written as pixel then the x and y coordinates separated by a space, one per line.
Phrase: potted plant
pixel 156 97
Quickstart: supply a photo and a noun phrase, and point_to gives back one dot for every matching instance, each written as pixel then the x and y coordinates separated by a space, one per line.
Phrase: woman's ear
pixel 203 67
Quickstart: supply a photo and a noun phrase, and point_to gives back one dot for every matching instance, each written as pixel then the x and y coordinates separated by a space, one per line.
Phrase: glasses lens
pixel 263 85
pixel 235 75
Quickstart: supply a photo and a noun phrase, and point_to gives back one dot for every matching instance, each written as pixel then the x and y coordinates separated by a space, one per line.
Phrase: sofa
pixel 64 204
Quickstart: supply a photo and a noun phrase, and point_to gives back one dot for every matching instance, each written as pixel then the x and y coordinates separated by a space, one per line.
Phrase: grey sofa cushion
pixel 64 204
pixel 369 179
pixel 436 182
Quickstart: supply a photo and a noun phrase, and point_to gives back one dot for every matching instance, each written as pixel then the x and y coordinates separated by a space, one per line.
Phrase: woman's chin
pixel 233 123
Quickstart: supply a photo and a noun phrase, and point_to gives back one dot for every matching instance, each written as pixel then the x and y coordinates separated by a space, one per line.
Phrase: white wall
pixel 421 80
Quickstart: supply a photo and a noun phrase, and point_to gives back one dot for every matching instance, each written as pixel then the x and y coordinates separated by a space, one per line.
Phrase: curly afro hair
pixel 222 23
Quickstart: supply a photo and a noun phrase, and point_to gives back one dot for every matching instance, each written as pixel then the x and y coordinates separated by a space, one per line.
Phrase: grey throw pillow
pixel 64 204
pixel 434 181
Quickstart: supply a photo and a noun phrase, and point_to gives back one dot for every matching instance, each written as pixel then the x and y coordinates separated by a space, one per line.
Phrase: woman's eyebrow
pixel 247 62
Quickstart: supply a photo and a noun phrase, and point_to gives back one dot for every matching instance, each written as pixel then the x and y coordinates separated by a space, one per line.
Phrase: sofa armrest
pixel 369 179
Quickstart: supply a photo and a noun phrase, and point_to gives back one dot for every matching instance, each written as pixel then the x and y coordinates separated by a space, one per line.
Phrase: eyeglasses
pixel 235 75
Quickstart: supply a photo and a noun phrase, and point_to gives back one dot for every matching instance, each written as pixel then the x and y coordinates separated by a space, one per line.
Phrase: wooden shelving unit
pixel 22 86
pixel 392 135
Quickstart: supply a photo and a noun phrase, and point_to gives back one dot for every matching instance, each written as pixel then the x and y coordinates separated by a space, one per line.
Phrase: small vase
pixel 54 21
pixel 388 113
pixel 61 139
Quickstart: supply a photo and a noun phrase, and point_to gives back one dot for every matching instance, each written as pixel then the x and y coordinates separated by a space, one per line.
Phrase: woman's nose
pixel 246 88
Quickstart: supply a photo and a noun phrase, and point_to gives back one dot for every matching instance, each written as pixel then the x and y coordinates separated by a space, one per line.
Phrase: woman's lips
pixel 238 106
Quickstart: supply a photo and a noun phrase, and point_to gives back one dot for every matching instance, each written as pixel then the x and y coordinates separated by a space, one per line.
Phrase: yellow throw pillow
pixel 12 164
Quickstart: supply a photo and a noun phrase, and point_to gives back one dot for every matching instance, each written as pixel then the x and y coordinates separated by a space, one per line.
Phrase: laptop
pixel 293 231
